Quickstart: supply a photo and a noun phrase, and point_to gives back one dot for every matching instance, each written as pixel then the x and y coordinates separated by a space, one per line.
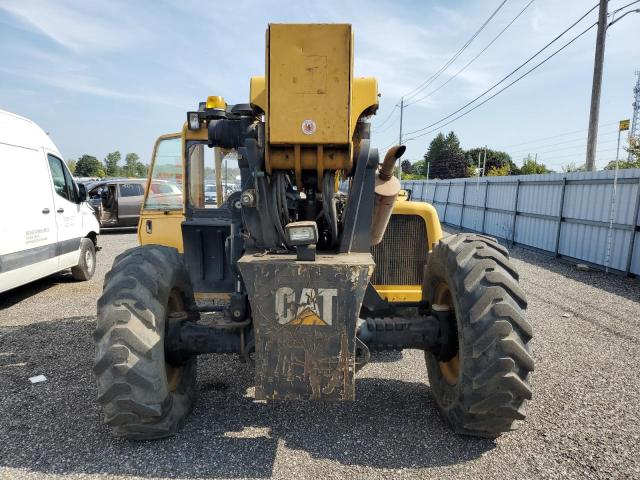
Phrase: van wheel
pixel 143 394
pixel 481 382
pixel 87 263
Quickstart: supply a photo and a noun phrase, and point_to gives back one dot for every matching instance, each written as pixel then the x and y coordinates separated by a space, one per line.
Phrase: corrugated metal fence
pixel 568 215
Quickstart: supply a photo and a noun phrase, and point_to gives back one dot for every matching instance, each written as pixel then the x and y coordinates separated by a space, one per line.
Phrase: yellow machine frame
pixel 166 228
pixel 309 70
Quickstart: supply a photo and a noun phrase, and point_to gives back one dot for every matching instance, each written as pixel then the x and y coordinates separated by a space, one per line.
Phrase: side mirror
pixel 82 193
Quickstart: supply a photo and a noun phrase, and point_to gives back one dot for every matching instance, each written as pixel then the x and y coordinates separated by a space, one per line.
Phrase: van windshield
pixel 165 192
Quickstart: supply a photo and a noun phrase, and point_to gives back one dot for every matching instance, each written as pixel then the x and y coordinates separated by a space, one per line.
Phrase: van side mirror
pixel 82 193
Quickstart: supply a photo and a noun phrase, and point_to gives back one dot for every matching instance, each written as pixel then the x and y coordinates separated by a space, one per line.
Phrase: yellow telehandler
pixel 278 215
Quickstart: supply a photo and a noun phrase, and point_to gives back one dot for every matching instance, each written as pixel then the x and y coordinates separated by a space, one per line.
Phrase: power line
pixel 433 77
pixel 502 89
pixel 613 22
pixel 474 58
pixel 598 153
pixel 579 142
pixel 513 72
pixel 385 129
pixel 623 7
pixel 545 145
pixel 558 135
pixel 384 150
pixel 386 119
pixel 582 145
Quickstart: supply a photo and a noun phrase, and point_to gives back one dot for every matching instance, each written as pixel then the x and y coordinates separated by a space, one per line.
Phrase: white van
pixel 45 223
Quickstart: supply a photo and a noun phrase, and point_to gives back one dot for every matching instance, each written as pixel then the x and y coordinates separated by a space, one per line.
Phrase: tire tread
pixel 493 388
pixel 129 336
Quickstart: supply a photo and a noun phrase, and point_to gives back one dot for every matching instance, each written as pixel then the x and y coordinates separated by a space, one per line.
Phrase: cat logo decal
pixel 314 307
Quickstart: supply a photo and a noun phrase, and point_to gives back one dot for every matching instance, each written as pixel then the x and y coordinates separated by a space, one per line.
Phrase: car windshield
pixel 165 192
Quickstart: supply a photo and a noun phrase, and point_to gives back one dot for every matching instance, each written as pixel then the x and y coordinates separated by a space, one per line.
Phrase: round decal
pixel 308 127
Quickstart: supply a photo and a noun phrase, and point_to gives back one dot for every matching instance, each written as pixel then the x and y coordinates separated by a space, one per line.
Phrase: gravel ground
pixel 582 422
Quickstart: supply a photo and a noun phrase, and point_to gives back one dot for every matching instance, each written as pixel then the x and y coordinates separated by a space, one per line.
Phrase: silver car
pixel 117 202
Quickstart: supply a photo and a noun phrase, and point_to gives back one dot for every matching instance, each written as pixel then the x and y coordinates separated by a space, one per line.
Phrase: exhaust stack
pixel 386 191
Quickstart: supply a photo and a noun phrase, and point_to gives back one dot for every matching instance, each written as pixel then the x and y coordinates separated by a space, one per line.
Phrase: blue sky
pixel 101 76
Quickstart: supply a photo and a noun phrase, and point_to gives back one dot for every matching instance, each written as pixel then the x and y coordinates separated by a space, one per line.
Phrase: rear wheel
pixel 480 382
pixel 143 396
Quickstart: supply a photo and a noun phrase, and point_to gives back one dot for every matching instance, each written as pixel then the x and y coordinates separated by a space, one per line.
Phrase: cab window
pixel 210 170
pixel 166 188
pixel 62 181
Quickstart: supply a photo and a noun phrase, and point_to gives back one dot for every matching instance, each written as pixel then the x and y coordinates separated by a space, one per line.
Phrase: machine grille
pixel 402 254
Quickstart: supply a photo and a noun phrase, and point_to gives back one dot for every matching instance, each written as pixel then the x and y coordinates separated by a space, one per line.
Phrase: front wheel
pixel 143 395
pixel 480 383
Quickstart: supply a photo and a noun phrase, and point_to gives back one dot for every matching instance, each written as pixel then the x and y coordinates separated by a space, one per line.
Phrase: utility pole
pixel 400 136
pixel 484 164
pixel 596 87
pixel 623 125
pixel 635 128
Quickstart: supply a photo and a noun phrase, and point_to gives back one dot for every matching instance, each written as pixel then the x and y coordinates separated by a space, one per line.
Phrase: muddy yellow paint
pixel 399 293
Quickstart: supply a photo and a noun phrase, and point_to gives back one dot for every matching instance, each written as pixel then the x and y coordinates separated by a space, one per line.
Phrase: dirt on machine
pixel 297 277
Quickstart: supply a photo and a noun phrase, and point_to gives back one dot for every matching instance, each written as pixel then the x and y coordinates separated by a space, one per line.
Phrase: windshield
pixel 165 192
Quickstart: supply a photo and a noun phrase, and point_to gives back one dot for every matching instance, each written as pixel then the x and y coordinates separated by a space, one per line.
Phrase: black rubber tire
pixel 133 385
pixel 493 336
pixel 86 266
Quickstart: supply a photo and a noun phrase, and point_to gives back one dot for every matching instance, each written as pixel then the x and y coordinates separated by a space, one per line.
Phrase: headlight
pixel 193 120
pixel 302 233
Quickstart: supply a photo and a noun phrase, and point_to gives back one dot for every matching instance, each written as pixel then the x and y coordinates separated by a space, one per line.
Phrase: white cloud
pixel 77 82
pixel 78 26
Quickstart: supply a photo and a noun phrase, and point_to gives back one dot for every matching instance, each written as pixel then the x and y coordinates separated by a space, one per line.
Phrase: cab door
pixel 162 214
pixel 66 212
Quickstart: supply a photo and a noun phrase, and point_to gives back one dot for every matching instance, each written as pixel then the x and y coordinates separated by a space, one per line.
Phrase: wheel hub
pixel 448 355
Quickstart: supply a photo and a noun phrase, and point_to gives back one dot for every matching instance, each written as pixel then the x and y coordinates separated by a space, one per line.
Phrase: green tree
pixel 633 163
pixel 111 163
pixel 72 166
pixel 406 166
pixel 572 167
pixel 502 171
pixel 131 161
pixel 495 158
pixel 420 168
pixel 142 170
pixel 417 169
pixel 446 157
pixel 531 167
pixel 89 166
